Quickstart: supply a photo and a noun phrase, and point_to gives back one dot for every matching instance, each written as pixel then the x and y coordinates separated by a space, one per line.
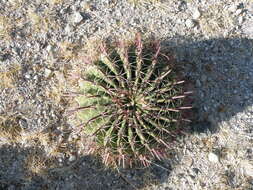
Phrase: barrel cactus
pixel 131 103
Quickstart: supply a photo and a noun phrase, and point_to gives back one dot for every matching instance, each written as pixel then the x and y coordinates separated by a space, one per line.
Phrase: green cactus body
pixel 131 104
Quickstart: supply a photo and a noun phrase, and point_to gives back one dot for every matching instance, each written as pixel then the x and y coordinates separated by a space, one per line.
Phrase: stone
pixel 188 161
pixel 213 157
pixel 203 78
pixel 232 8
pixel 198 83
pixel 49 48
pixel 27 76
pixel 250 9
pixel 196 14
pixel 240 20
pixel 189 23
pixel 72 158
pixel 238 11
pixel 47 72
pixel 247 28
pixel 68 29
pixel 77 17
pixel 247 168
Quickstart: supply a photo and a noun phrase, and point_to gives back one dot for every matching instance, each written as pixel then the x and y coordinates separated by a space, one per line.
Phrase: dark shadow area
pixel 221 71
pixel 85 173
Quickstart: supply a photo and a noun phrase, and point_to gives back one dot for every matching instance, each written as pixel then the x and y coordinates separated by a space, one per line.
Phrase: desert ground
pixel 43 42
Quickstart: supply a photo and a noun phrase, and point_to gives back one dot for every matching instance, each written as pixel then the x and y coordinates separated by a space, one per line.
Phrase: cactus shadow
pixel 87 172
pixel 221 70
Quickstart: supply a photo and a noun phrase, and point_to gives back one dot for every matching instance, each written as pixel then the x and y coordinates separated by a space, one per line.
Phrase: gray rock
pixel 240 20
pixel 213 157
pixel 203 78
pixel 250 8
pixel 190 23
pixel 77 17
pixel 72 158
pixel 27 76
pixel 47 72
pixel 238 11
pixel 196 14
pixel 49 48
pixel 247 28
pixel 68 29
pixel 232 8
pixel 198 83
pixel 247 168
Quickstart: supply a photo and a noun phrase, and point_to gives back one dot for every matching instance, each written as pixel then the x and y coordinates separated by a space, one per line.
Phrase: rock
pixel 60 160
pixel 198 84
pixel 248 28
pixel 196 170
pixel 182 6
pixel 35 78
pixel 247 168
pixel 238 11
pixel 232 8
pixel 27 76
pixel 77 17
pixel 196 14
pixel 250 9
pixel 240 20
pixel 213 157
pixel 203 78
pixel 49 48
pixel 86 5
pixel 188 161
pixel 47 72
pixel 68 29
pixel 190 23
pixel 72 158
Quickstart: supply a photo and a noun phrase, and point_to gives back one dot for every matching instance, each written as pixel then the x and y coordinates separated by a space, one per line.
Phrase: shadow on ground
pixel 222 73
pixel 30 168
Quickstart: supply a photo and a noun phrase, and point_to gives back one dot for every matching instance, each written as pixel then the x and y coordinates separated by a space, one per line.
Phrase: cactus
pixel 131 103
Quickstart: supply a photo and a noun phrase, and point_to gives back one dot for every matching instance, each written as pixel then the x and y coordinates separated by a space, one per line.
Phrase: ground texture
pixel 41 42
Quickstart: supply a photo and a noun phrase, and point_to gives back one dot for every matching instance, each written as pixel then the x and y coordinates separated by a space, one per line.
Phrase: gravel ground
pixel 42 41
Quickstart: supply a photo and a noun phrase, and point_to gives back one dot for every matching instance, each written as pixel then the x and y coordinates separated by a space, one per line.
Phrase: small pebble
pixel 198 84
pixel 35 77
pixel 188 161
pixel 250 9
pixel 77 17
pixel 196 14
pixel 247 28
pixel 190 23
pixel 49 48
pixel 238 11
pixel 27 76
pixel 232 8
pixel 213 157
pixel 248 168
pixel 72 158
pixel 240 20
pixel 203 78
pixel 68 28
pixel 47 72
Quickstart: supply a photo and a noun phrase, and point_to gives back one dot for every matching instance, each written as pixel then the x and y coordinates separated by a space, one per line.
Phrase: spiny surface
pixel 132 103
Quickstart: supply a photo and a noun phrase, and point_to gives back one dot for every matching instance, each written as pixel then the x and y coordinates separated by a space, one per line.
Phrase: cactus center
pixel 129 102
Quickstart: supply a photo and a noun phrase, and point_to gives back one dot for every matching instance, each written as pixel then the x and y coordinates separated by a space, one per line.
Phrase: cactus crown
pixel 131 103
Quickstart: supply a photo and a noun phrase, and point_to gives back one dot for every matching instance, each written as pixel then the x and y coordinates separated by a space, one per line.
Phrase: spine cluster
pixel 131 103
